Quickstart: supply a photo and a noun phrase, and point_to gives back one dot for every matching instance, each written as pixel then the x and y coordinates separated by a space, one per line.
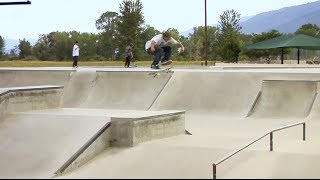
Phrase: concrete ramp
pixel 37 145
pixel 315 111
pixel 80 84
pixel 124 90
pixel 285 99
pixel 32 77
pixel 219 93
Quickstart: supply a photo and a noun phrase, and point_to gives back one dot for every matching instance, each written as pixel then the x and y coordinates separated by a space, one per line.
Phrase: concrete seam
pixel 254 104
pixel 155 99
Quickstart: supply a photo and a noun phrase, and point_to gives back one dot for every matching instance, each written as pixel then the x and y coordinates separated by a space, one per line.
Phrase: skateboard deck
pixel 162 70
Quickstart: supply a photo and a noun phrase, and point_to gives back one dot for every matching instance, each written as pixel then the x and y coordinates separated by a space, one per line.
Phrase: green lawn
pixel 17 63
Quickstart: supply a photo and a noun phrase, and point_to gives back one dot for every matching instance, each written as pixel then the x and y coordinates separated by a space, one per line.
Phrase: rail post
pixel 271 141
pixel 214 171
pixel 304 131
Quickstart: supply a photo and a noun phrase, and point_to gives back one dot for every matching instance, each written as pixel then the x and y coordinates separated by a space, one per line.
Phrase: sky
pixel 45 16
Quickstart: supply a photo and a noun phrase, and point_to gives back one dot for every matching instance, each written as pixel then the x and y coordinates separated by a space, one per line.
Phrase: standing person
pixel 129 55
pixel 75 54
pixel 159 46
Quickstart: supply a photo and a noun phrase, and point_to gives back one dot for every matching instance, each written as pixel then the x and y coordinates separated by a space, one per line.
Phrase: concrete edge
pixel 19 99
pixel 74 161
pixel 27 88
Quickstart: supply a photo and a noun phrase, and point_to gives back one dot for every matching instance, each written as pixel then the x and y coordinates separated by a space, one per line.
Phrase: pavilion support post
pixel 298 55
pixel 282 52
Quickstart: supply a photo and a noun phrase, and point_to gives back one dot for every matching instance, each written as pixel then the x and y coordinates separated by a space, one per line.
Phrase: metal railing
pixel 214 165
pixel 15 3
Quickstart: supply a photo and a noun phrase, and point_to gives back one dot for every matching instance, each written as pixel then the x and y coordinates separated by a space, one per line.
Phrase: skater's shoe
pixel 154 67
pixel 166 62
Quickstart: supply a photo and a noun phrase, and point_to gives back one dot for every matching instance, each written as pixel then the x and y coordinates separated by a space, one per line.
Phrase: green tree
pixel 228 43
pixel 129 25
pixel 309 29
pixel 197 43
pixel 41 49
pixel 88 46
pixel 1 47
pixel 107 21
pixel 106 41
pixel 24 48
pixel 60 46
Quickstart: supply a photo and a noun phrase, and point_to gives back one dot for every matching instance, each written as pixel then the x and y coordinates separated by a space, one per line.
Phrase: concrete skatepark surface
pixel 226 107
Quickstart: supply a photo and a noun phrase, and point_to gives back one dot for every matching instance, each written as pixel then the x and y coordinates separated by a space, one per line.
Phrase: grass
pixel 33 63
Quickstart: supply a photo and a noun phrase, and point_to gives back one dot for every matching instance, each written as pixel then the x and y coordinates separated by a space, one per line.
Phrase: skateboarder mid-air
pixel 159 46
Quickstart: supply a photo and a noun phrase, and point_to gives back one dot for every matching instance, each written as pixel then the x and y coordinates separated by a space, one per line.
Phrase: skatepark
pixel 108 122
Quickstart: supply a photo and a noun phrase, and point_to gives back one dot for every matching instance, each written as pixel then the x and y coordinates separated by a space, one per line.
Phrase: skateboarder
pixel 129 55
pixel 159 46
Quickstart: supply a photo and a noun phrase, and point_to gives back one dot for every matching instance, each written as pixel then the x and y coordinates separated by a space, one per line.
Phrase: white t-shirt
pixel 159 41
pixel 75 51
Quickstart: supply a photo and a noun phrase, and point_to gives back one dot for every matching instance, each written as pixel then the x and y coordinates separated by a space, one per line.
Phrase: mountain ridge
pixel 285 20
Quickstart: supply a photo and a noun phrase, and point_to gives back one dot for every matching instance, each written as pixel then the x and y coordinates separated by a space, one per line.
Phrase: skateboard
pixel 159 71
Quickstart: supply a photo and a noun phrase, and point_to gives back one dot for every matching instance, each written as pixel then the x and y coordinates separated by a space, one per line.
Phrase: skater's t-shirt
pixel 159 41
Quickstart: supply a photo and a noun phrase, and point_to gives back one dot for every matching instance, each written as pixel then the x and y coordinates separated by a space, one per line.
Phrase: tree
pixel 41 49
pixel 309 29
pixel 228 44
pixel 106 43
pixel 107 21
pixel 1 47
pixel 61 48
pixel 24 48
pixel 129 25
pixel 197 42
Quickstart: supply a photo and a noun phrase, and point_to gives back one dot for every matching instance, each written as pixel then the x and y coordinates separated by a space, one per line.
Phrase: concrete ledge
pixel 129 132
pixel 20 99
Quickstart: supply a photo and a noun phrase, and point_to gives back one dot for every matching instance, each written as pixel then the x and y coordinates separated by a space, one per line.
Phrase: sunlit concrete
pixel 224 112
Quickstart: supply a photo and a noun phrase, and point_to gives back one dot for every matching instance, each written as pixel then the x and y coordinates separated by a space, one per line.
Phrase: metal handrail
pixel 214 165
pixel 16 3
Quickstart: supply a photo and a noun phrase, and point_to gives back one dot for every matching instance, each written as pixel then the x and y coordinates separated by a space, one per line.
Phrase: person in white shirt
pixel 75 54
pixel 158 46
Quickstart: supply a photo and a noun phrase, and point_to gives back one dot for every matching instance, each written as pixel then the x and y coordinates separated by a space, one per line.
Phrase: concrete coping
pixel 292 80
pixel 35 69
pixel 163 114
pixel 128 70
pixel 4 91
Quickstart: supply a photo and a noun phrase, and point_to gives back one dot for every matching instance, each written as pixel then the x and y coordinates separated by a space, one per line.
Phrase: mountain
pixel 285 20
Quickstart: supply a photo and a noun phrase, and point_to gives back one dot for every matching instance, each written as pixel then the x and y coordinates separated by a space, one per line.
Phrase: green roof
pixel 288 41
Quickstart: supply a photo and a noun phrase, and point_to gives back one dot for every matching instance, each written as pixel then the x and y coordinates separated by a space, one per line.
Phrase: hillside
pixel 285 20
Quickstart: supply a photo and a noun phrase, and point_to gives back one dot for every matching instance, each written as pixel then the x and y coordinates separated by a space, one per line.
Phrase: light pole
pixel 15 3
pixel 206 33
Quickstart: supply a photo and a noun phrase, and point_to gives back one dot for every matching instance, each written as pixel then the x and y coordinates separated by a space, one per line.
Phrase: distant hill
pixel 285 20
